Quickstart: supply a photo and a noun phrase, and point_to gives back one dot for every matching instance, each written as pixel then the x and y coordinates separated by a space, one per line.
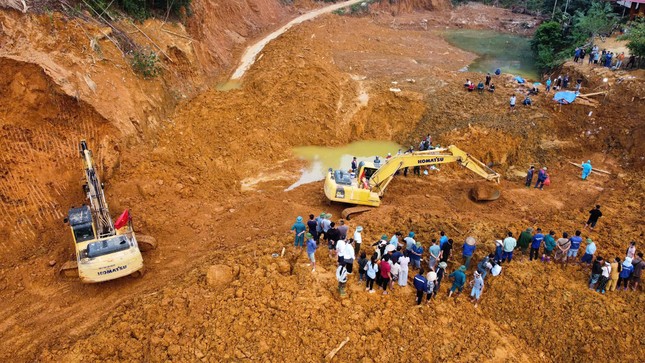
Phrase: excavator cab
pixel 80 219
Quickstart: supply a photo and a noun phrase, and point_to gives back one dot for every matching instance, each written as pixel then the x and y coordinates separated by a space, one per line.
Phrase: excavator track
pixel 348 212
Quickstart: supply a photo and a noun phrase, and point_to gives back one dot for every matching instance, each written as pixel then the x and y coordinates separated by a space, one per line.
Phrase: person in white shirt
pixel 404 261
pixel 349 256
pixel 358 239
pixel 395 271
pixel 496 270
pixel 409 241
pixel 341 276
pixel 604 277
pixel 340 251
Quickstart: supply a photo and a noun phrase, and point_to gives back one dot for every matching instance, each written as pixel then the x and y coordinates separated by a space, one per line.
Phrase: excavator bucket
pixel 348 212
pixel 146 243
pixel 484 192
pixel 69 269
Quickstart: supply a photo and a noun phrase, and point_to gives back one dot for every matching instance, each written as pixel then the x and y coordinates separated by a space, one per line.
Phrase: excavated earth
pixel 207 178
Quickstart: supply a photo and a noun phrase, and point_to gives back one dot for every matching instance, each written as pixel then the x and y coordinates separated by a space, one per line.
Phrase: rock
pixel 199 354
pixel 263 347
pixel 219 276
pixel 52 263
pixel 283 266
pixel 174 349
pixel 239 293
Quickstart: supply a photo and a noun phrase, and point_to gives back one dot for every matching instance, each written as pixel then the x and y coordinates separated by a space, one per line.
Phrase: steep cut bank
pixel 40 127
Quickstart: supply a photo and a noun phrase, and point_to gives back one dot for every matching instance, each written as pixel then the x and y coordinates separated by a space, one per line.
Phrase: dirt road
pixel 248 58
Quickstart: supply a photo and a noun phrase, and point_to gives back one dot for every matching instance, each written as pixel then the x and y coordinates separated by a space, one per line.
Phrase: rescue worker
pixel 586 169
pixel 299 228
pixel 459 280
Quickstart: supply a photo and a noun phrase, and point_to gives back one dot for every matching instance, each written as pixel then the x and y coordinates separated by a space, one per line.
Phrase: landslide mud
pixel 183 185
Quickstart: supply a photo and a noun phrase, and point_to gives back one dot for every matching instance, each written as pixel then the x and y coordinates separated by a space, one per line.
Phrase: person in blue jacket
pixel 536 242
pixel 575 246
pixel 541 178
pixel 529 176
pixel 548 85
pixel 415 255
pixel 468 250
pixel 586 169
pixel 625 273
pixel 311 250
pixel 421 284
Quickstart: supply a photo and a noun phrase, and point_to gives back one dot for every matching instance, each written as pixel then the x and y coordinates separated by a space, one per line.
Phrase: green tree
pixel 599 19
pixel 548 44
pixel 635 37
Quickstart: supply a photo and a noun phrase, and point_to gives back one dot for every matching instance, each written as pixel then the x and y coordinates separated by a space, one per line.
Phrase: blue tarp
pixel 498 71
pixel 564 97
pixel 519 79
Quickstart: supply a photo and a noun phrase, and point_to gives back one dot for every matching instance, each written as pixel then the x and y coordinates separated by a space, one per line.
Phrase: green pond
pixel 322 158
pixel 511 53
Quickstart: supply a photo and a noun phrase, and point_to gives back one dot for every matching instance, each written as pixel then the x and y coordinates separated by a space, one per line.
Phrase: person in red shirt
pixel 384 270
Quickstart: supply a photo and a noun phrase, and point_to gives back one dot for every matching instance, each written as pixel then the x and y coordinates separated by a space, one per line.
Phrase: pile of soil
pixel 182 183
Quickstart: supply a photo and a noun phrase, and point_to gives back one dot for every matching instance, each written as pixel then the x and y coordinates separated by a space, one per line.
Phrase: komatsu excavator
pixel 369 182
pixel 103 252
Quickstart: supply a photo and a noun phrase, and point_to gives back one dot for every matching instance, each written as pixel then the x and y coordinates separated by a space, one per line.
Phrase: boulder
pixel 219 276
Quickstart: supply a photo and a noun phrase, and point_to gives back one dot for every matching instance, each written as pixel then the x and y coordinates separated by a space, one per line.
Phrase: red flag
pixel 123 220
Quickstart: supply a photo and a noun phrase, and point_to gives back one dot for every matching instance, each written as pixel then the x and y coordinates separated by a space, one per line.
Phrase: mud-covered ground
pixel 183 181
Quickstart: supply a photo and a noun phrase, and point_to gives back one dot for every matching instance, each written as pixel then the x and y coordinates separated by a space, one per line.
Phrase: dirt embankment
pixel 67 78
pixel 328 83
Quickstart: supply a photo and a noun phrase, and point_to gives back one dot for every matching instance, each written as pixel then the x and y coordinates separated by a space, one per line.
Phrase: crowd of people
pixel 486 84
pixel 604 58
pixel 386 263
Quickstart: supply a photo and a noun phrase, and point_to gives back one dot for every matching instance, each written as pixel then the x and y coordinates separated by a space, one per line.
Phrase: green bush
pixel 635 37
pixel 145 63
pixel 555 41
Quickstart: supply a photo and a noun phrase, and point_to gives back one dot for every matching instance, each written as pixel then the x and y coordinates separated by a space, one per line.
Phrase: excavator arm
pixel 94 189
pixel 383 176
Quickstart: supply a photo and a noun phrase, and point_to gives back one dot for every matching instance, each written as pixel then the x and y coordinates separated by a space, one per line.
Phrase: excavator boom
pixel 371 181
pixel 382 177
pixel 95 195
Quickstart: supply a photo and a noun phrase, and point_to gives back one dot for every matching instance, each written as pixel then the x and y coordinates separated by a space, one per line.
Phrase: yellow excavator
pixel 104 250
pixel 366 185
